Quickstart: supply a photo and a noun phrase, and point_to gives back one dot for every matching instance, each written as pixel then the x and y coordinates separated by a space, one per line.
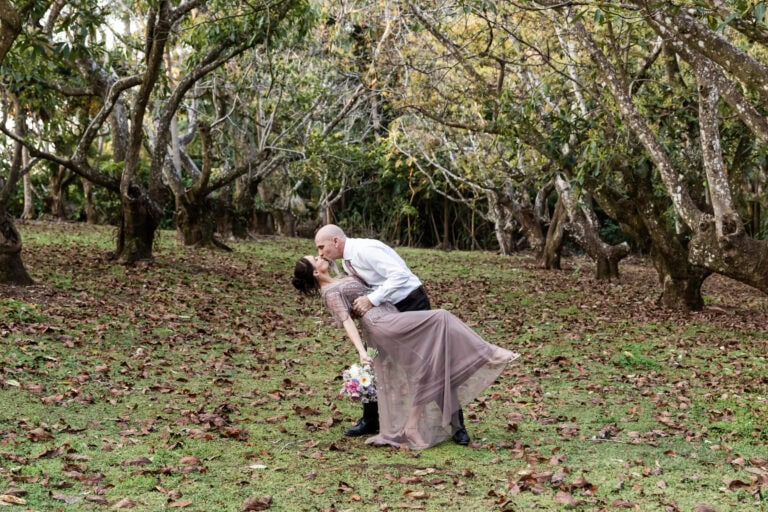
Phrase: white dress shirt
pixel 381 268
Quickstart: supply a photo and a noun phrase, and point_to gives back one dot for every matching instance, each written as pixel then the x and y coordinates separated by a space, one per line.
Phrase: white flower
pixel 355 371
pixel 365 380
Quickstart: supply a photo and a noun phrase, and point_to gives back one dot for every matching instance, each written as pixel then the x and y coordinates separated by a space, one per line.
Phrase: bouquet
pixel 359 383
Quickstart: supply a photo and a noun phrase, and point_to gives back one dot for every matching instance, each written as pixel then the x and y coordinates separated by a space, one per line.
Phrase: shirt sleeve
pixel 397 276
pixel 338 305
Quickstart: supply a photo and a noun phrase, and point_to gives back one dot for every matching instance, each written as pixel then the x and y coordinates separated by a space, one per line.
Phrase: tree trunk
pixel 262 222
pixel 225 217
pixel 285 222
pixel 196 223
pixel 91 216
pixel 56 201
pixel 446 245
pixel 138 224
pixel 642 217
pixel 680 282
pixel 582 225
pixel 29 201
pixel 550 258
pixel 502 223
pixel 12 269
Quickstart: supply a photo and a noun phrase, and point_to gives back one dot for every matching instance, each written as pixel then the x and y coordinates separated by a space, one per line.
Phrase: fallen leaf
pixel 416 495
pixel 39 434
pixel 15 500
pixel 262 503
pixel 180 504
pixel 565 498
pixel 125 503
pixel 69 500
pixel 137 461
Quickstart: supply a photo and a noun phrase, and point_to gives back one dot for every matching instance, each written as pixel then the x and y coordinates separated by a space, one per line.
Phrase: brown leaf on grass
pixel 124 503
pixel 581 483
pixel 416 495
pixel 565 498
pixel 623 504
pixel 739 461
pixel 35 388
pixel 303 412
pixel 190 460
pixel 15 492
pixel 704 507
pixel 48 400
pixel 239 434
pixel 180 504
pixel 262 503
pixel 136 461
pixel 53 452
pixel 734 484
pixel 69 500
pixel 39 434
pixel 11 499
pixel 756 471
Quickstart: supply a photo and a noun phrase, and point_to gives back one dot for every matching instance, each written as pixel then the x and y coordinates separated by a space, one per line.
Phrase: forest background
pixel 606 130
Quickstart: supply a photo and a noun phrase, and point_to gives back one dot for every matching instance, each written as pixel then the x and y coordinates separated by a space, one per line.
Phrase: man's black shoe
pixel 461 437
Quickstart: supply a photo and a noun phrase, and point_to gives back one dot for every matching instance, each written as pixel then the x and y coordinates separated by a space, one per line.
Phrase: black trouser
pixel 417 300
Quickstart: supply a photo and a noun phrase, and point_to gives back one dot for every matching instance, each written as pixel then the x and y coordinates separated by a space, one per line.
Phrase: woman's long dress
pixel 429 364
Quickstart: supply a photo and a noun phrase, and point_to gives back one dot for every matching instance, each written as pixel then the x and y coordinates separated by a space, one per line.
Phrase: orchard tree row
pixel 635 126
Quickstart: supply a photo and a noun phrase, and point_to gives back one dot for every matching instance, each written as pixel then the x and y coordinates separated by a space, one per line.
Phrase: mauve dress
pixel 425 359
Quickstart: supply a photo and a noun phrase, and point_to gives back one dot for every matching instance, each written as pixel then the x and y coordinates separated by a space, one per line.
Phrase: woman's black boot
pixel 368 424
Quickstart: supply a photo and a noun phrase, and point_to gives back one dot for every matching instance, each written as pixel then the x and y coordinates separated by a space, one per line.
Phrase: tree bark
pixel 12 269
pixel 550 258
pixel 29 198
pixel 196 223
pixel 641 212
pixel 56 200
pixel 138 223
pixel 503 223
pixel 91 217
pixel 582 225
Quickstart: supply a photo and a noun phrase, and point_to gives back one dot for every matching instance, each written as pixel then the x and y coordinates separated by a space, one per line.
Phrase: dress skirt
pixel 429 365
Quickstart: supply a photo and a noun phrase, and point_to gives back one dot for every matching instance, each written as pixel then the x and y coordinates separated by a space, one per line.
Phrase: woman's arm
pixel 354 335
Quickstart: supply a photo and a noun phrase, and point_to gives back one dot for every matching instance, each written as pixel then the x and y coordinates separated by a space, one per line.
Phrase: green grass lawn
pixel 202 382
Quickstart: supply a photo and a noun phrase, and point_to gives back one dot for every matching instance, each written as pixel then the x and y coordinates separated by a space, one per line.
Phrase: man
pixel 381 268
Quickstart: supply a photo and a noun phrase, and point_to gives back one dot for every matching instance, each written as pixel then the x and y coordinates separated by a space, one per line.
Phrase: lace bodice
pixel 339 297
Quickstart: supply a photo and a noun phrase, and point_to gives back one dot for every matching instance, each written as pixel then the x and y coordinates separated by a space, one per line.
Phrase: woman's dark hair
pixel 304 277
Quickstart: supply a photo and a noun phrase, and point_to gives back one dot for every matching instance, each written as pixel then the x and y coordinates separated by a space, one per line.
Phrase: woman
pixel 429 363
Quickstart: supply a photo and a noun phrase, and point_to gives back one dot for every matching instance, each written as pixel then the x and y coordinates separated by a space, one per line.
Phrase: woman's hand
pixel 366 359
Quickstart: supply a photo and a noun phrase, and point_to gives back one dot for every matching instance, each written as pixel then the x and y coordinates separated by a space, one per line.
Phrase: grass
pixel 201 380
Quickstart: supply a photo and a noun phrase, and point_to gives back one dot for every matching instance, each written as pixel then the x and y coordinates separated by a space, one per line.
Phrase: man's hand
pixel 362 305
